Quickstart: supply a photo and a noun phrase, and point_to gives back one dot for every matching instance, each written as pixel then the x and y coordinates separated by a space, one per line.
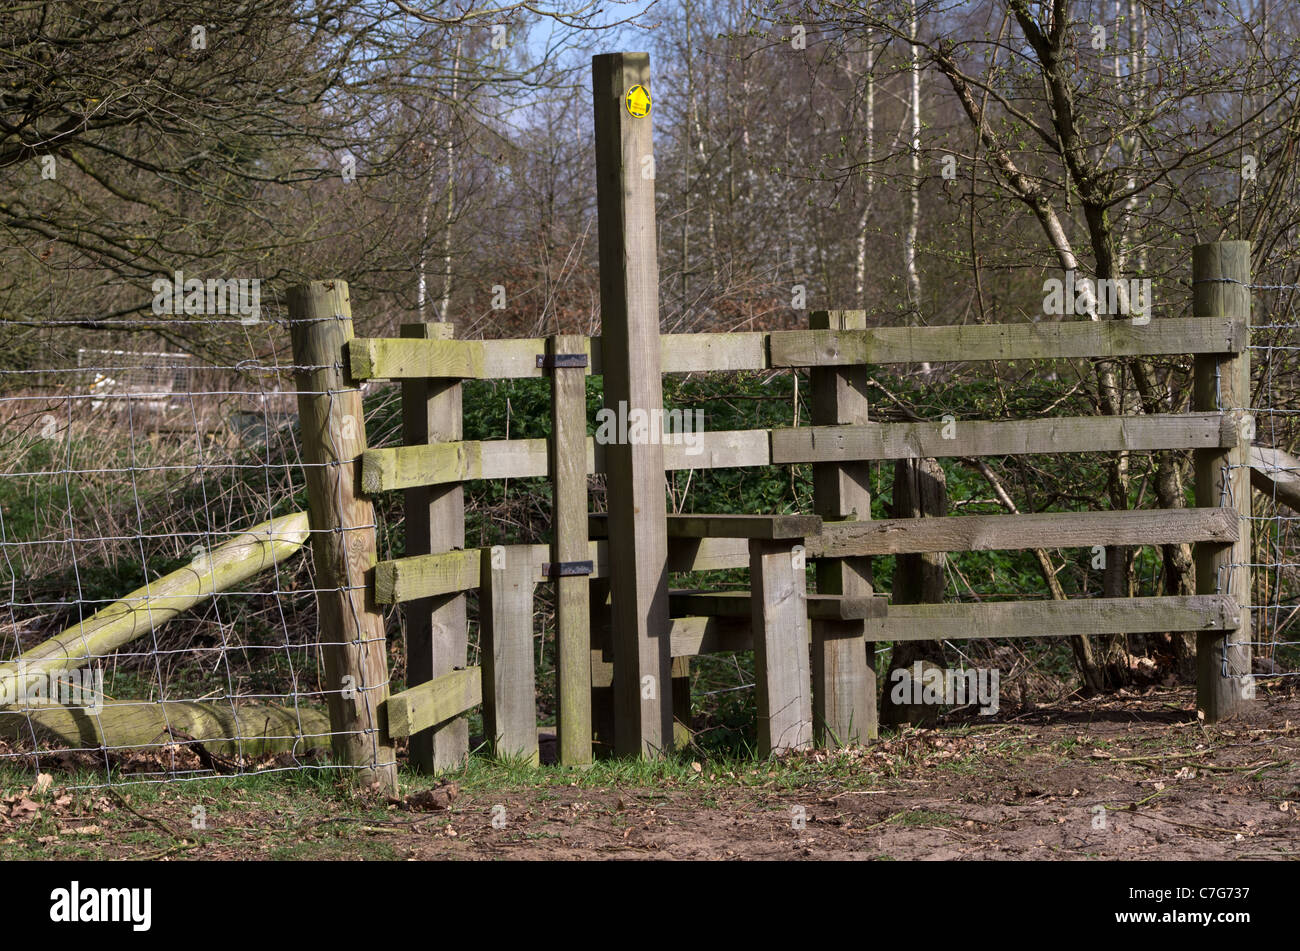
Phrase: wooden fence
pixel 623 639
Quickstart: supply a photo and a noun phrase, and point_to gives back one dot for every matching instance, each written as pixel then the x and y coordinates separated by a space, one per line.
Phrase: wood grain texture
pixel 899 536
pixel 826 607
pixel 1022 341
pixel 436 701
pixel 351 628
pixel 509 680
pixel 1220 273
pixel 569 531
pixel 1003 437
pixel 629 303
pixel 437 636
pixel 1083 616
pixel 843 663
pixel 781 662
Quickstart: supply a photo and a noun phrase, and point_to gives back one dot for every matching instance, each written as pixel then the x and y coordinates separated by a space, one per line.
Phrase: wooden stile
pixel 351 629
pixel 1220 275
pixel 629 301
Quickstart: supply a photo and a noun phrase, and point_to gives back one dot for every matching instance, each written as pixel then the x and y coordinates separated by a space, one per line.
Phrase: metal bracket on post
pixel 566 569
pixel 551 361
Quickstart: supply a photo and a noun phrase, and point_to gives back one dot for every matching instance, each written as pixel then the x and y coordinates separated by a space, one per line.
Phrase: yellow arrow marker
pixel 638 102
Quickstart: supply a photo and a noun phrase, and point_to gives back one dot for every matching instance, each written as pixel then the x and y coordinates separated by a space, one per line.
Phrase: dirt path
pixel 1135 778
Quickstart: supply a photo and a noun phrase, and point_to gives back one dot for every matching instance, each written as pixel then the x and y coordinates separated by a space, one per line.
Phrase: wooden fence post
pixel 1221 274
pixel 629 303
pixel 779 609
pixel 568 462
pixel 506 582
pixel 350 627
pixel 437 639
pixel 844 670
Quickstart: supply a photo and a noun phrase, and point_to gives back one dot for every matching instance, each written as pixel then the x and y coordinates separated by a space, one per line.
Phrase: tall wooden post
pixel 1220 275
pixel 350 627
pixel 436 634
pixel 629 303
pixel 844 670
pixel 568 460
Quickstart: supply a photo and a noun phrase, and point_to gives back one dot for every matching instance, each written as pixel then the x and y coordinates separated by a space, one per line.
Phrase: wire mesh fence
pixel 1275 359
pixel 156 581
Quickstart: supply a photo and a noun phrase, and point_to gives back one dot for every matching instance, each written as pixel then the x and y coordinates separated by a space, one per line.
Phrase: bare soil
pixel 1127 778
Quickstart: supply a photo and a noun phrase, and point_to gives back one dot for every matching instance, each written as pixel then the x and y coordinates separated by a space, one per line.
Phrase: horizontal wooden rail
pixel 1004 437
pixel 686 525
pixel 823 607
pixel 905 536
pixel 407 467
pixel 927 622
pixel 434 701
pixel 424 576
pixel 427 576
pixel 383 358
pixel 1036 341
pixel 692 636
pixel 400 359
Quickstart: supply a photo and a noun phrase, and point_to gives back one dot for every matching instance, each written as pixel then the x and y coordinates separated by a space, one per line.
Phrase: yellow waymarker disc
pixel 638 102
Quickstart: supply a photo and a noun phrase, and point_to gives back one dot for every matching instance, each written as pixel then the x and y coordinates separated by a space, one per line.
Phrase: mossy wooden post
pixel 843 664
pixel 1220 275
pixel 350 627
pixel 436 635
pixel 568 459
pixel 629 303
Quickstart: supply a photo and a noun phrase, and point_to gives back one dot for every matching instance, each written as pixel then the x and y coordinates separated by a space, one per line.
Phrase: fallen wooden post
pixel 223 728
pixel 144 609
pixel 1276 475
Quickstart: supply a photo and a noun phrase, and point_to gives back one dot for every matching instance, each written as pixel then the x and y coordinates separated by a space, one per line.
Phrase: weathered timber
pixel 1082 616
pixel 694 636
pixel 1220 279
pixel 900 536
pixel 781 665
pixel 826 607
pixel 1004 437
pixel 629 304
pixel 437 639
pixel 1022 341
pixel 141 611
pixel 434 701
pixel 569 533
pixel 351 628
pixel 1276 475
pixel 509 680
pixel 727 526
pixel 248 729
pixel 843 667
